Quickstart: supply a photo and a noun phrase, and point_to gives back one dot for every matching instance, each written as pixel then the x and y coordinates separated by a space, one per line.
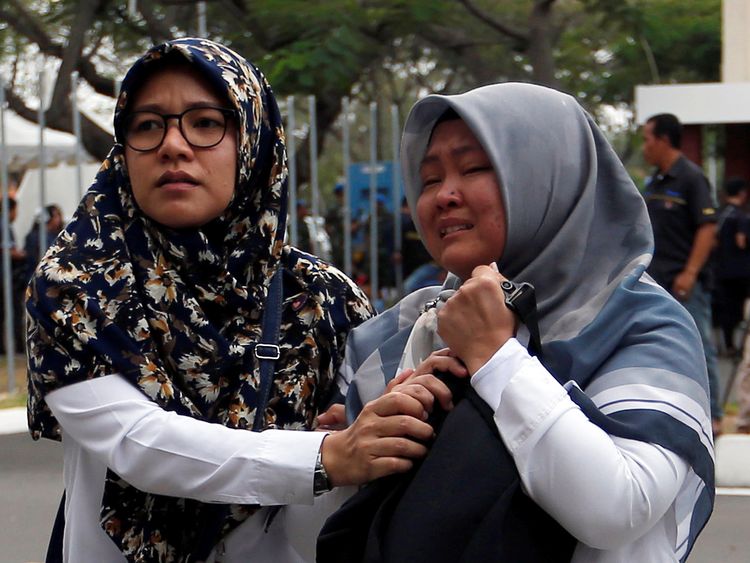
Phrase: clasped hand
pixel 475 322
pixel 391 431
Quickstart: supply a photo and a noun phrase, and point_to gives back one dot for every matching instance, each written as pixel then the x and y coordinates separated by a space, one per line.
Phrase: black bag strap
pixel 267 351
pixel 521 299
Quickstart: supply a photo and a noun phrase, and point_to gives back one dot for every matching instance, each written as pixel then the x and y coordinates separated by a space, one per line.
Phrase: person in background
pixel 335 226
pixel 386 244
pixel 18 280
pixel 732 268
pixel 742 382
pixel 413 252
pixel 169 319
pixel 584 431
pixel 732 262
pixel 52 218
pixel 683 217
pixel 311 234
pixel 304 240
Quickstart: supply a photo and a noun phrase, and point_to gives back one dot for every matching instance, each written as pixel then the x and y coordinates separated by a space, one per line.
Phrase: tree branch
pixel 495 24
pixel 234 9
pixel 157 30
pixel 85 12
pixel 541 43
pixel 95 140
pixel 23 22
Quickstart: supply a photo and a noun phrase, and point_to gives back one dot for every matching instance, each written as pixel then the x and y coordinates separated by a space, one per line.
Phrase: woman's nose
pixel 174 143
pixel 448 194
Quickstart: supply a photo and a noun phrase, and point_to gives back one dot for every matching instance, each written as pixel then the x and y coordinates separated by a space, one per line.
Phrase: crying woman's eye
pixel 428 182
pixel 478 169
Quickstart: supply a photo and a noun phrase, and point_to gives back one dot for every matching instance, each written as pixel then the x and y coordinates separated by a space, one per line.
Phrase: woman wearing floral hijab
pixel 598 404
pixel 145 322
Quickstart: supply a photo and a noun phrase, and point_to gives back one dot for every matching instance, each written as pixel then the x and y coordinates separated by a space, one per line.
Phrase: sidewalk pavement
pixel 733 461
pixel 13 421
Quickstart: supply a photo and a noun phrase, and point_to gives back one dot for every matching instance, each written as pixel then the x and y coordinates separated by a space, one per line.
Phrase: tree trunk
pixel 60 101
pixel 541 45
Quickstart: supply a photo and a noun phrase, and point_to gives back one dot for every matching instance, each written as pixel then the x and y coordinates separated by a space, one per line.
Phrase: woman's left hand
pixel 475 322
pixel 333 419
pixel 413 381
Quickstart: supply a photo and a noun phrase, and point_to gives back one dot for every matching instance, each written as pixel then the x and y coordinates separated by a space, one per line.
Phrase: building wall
pixel 692 143
pixel 735 52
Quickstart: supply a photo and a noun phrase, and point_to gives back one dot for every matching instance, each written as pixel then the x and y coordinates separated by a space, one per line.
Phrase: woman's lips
pixel 445 231
pixel 176 179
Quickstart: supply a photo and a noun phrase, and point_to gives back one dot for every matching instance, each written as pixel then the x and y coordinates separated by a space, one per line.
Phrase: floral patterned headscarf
pixel 177 312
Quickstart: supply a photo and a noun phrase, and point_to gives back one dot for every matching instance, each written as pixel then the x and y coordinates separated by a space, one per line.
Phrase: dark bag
pixel 464 502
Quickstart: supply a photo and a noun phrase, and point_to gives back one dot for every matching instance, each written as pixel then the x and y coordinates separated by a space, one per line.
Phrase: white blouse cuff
pixel 490 380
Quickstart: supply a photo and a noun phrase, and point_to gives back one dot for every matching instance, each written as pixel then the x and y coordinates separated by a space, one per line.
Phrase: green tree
pixel 391 51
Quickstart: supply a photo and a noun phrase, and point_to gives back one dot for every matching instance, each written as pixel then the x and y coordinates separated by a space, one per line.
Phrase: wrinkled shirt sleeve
pixel 165 453
pixel 566 462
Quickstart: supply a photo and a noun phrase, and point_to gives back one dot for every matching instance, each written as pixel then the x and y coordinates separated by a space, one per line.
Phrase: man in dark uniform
pixel 413 253
pixel 732 262
pixel 683 217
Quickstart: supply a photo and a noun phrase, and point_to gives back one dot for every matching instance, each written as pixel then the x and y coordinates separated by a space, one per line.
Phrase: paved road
pixel 31 484
pixel 30 488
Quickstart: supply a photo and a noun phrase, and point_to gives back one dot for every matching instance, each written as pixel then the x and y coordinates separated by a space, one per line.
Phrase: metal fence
pixel 378 294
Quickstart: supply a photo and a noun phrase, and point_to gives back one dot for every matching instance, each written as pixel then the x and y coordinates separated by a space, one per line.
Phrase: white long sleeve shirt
pixel 109 423
pixel 614 495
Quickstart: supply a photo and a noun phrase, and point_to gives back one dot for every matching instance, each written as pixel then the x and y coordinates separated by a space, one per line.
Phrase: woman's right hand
pixel 384 439
pixel 475 322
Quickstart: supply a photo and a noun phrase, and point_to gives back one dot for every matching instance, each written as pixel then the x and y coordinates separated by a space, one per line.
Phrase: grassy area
pixel 8 401
pixel 18 397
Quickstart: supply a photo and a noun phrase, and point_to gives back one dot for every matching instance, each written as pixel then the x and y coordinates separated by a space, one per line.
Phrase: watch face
pixel 320 483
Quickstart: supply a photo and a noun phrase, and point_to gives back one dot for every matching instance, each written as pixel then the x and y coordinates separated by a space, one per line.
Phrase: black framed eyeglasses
pixel 202 127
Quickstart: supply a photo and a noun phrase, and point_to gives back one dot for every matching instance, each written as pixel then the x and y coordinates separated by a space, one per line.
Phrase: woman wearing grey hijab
pixel 601 398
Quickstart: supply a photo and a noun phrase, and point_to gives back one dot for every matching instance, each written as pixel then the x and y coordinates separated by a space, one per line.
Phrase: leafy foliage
pixel 391 51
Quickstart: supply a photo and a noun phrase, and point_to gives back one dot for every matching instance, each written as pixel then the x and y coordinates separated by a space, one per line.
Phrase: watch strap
pixel 321 482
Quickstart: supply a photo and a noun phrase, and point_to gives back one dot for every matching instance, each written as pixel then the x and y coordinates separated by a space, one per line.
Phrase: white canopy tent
pixel 22 144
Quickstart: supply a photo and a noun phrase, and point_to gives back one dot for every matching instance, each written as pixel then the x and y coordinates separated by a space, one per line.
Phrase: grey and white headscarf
pixel 578 230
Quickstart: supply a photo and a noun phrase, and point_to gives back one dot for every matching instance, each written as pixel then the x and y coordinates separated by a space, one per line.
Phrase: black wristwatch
pixel 321 482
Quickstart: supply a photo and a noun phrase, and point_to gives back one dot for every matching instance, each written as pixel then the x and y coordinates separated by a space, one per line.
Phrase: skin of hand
pixel 333 419
pixel 683 284
pixel 440 361
pixel 475 321
pixel 379 439
pixel 428 387
pixel 703 243
pixel 384 439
